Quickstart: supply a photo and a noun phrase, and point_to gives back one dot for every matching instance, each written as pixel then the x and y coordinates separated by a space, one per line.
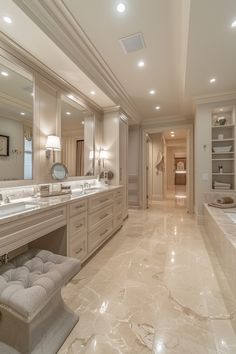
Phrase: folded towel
pixel 225 200
pixel 222 206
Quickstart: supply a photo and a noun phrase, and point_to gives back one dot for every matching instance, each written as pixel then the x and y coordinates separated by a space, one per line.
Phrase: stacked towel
pixel 221 186
pixel 225 200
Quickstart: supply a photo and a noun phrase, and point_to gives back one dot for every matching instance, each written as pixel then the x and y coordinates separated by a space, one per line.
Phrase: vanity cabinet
pixel 75 228
pixel 92 221
pixel 20 232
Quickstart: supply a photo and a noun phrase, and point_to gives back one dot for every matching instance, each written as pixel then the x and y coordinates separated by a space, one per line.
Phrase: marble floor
pixel 153 288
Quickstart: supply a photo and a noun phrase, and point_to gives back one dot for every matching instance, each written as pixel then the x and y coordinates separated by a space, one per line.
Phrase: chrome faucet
pixel 1 198
pixel 8 199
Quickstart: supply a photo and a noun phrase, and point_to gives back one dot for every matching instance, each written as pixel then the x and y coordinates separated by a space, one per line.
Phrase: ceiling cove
pixel 59 25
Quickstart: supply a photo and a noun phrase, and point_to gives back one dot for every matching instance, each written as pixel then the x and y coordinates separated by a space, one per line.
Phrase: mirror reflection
pixel 77 138
pixel 16 122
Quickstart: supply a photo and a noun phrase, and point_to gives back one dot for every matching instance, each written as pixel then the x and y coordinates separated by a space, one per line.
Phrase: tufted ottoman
pixel 33 316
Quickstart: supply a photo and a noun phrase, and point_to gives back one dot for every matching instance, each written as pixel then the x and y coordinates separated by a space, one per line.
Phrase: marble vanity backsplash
pixel 20 192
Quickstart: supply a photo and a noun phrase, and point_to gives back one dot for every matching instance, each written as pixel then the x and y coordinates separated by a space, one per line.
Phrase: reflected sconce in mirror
pixel 53 144
pixel 103 155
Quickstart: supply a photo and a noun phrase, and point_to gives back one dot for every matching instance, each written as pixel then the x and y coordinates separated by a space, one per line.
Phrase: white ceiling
pixel 187 43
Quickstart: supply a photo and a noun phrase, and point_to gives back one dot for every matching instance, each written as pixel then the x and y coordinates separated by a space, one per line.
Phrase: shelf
pixel 222 153
pixel 222 174
pixel 223 126
pixel 229 159
pixel 219 140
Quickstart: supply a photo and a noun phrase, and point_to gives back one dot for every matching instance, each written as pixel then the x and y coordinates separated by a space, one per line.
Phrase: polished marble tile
pixel 152 289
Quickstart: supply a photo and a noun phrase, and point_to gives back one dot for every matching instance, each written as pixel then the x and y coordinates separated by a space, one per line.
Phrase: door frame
pixel 189 155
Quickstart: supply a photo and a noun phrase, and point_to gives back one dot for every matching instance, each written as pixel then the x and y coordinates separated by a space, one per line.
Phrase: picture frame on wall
pixel 4 145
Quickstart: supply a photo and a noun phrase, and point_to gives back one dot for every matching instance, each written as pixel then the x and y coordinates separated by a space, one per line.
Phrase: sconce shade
pixel 103 154
pixel 53 143
pixel 91 155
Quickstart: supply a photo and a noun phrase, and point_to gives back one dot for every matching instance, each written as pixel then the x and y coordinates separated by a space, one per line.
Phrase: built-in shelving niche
pixel 223 148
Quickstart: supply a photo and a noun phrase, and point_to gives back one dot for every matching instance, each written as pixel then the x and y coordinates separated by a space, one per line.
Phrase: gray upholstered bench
pixel 33 316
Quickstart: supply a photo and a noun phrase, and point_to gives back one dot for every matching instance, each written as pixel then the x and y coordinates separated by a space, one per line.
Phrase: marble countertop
pixel 42 204
pixel 227 226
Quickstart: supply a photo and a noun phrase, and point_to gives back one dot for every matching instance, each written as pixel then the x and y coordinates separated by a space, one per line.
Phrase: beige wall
pixel 157 182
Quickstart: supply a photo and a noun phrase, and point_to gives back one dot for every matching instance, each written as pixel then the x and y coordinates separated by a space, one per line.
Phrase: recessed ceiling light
pixel 7 19
pixel 172 132
pixel 4 73
pixel 157 108
pixel 172 135
pixel 233 24
pixel 92 92
pixel 120 7
pixel 141 64
pixel 82 122
pixel 22 113
pixel 212 80
pixel 152 92
pixel 68 113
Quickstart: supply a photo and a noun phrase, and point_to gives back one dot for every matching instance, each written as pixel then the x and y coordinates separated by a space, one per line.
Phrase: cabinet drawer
pixel 118 193
pixel 97 218
pixel 78 246
pixel 118 220
pixel 78 207
pixel 118 205
pixel 17 233
pixel 101 201
pixel 78 223
pixel 97 236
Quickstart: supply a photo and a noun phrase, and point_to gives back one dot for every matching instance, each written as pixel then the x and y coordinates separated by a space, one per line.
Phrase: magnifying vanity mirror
pixel 77 138
pixel 59 171
pixel 16 122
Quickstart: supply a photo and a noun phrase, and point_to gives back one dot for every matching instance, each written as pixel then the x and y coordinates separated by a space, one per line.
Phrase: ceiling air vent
pixel 132 43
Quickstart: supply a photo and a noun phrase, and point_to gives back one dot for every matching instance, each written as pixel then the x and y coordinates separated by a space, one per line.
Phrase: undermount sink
pixel 86 191
pixel 13 208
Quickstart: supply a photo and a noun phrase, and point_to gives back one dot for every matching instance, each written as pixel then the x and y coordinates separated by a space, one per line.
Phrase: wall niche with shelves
pixel 223 148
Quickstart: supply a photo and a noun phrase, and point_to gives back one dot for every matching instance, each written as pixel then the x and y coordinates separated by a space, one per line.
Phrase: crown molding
pixel 12 51
pixel 219 97
pixel 55 19
pixel 167 120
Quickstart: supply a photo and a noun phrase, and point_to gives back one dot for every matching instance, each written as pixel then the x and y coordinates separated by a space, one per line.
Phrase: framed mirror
pixel 77 138
pixel 16 122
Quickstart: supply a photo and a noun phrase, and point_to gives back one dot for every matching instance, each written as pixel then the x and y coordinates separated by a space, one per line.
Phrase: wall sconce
pixel 53 144
pixel 103 154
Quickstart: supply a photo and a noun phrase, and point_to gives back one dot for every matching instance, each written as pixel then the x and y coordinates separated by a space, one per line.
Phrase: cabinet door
pixel 123 173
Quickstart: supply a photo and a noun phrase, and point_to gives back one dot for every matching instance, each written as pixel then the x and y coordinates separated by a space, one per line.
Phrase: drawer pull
pixel 79 206
pixel 103 216
pixel 79 250
pixel 79 226
pixel 104 232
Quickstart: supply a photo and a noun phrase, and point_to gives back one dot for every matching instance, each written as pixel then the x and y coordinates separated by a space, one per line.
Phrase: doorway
pixel 168 168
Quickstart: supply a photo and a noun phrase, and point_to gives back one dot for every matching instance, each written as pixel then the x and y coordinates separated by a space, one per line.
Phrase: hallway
pixel 152 289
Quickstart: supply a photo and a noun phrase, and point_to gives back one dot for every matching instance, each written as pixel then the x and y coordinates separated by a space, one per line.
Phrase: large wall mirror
pixel 16 122
pixel 77 138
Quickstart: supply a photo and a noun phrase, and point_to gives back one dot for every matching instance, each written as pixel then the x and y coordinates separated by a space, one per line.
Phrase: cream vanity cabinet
pixel 27 229
pixel 77 229
pixel 93 220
